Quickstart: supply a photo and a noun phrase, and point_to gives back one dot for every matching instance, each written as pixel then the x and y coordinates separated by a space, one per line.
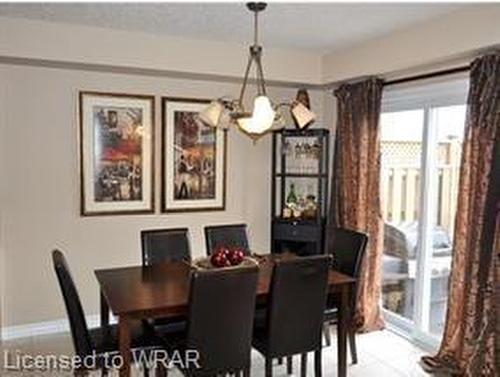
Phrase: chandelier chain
pixel 256 28
pixel 226 111
pixel 262 90
pixel 245 80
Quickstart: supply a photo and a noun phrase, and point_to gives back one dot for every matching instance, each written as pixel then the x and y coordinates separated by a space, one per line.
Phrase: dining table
pixel 162 291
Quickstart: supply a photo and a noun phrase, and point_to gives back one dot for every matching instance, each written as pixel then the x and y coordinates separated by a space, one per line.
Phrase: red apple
pixel 222 249
pixel 236 256
pixel 219 259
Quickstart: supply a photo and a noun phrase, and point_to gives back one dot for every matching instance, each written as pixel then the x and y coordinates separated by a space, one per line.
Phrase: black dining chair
pixel 232 235
pixel 165 245
pixel 160 246
pixel 220 321
pixel 295 311
pixel 100 341
pixel 348 250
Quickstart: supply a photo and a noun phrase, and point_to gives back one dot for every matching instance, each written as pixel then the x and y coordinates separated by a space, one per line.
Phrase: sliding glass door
pixel 421 138
pixel 445 141
pixel 401 150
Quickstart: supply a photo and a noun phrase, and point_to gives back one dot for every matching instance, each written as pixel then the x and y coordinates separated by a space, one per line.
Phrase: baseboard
pixel 45 328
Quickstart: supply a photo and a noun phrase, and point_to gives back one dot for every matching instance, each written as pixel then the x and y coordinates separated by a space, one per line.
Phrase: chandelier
pixel 225 112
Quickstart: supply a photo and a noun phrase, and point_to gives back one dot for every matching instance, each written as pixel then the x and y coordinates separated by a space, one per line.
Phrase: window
pixel 421 140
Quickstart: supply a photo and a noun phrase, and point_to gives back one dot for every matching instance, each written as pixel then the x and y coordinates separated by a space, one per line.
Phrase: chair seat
pixel 261 340
pixel 143 343
pixel 163 326
pixel 105 339
pixel 170 328
pixel 331 314
pixel 174 340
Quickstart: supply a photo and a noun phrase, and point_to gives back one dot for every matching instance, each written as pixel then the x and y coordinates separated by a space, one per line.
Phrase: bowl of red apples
pixel 225 257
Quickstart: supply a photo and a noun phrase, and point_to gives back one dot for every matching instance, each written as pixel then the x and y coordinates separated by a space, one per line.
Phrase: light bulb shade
pixel 211 115
pixel 246 124
pixel 262 116
pixel 302 115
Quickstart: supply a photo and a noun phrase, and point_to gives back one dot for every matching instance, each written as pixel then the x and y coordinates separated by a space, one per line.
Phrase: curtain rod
pixel 429 75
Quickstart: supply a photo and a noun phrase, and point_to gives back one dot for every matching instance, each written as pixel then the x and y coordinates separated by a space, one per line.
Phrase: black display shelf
pixel 300 162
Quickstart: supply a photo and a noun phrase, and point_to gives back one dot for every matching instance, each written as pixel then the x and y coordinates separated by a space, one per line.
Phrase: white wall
pixel 2 191
pixel 46 41
pixel 41 210
pixel 459 35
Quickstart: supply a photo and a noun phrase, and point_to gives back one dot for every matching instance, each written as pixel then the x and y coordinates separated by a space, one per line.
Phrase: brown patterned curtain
pixel 355 202
pixel 470 345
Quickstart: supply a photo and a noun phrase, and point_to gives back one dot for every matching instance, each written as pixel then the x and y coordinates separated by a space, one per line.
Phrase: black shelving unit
pixel 299 190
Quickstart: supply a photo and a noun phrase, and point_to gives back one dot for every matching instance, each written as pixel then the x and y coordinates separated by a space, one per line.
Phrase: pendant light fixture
pixel 224 112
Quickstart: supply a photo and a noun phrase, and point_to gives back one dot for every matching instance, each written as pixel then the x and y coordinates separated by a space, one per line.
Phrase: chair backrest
pixel 220 322
pixel 297 302
pixel 78 325
pixel 233 235
pixel 348 249
pixel 165 245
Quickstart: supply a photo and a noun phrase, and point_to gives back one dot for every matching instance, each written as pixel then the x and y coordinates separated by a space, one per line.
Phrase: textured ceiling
pixel 320 27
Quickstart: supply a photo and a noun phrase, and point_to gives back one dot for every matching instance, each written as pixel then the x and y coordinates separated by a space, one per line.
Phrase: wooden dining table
pixel 139 292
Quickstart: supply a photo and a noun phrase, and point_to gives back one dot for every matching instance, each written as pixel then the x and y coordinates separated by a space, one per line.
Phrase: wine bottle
pixel 292 197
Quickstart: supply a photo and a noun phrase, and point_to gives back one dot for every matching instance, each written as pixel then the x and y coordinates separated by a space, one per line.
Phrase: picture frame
pixel 193 158
pixel 116 145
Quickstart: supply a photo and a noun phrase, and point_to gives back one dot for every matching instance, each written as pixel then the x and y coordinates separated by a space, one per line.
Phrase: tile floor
pixel 381 354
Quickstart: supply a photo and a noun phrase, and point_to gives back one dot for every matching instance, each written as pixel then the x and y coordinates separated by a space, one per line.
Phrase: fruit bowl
pixel 206 264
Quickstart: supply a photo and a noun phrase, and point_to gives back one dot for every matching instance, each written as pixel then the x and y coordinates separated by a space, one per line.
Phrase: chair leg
pixel 289 365
pixel 104 372
pixel 145 370
pixel 246 372
pixel 161 370
pixel 352 346
pixel 269 367
pixel 317 362
pixel 326 334
pixel 303 365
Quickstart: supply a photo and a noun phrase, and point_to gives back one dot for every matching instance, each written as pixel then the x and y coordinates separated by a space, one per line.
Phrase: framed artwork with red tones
pixel 116 153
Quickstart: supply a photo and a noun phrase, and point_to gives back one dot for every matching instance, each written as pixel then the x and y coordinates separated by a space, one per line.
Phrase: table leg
pixel 124 345
pixel 104 311
pixel 342 324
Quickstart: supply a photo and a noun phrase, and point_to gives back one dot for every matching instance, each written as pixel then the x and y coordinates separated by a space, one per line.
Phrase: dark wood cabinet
pixel 299 190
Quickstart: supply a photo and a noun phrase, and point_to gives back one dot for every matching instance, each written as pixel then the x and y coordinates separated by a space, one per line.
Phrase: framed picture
pixel 193 159
pixel 116 153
